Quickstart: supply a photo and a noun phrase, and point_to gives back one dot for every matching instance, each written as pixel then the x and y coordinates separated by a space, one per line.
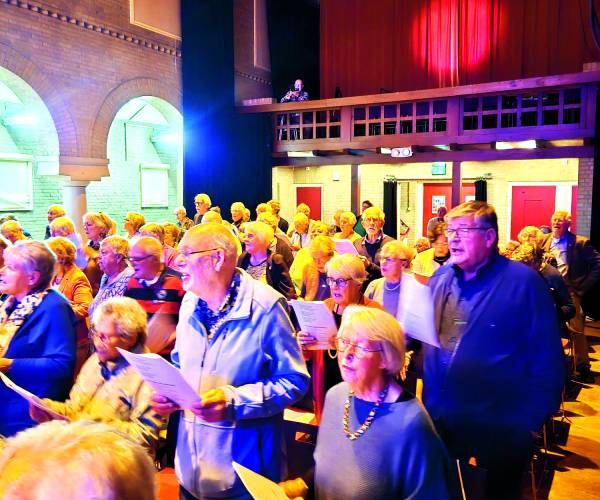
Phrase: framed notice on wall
pixel 16 194
pixel 437 202
pixel 154 185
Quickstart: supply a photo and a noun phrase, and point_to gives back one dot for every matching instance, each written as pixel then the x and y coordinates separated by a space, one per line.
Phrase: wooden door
pixel 311 195
pixel 436 194
pixel 531 206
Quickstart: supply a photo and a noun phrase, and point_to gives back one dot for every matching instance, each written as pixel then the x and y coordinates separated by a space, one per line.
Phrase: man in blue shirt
pixel 498 373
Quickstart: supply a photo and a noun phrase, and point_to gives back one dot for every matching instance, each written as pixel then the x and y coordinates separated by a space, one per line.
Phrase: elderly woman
pixel 375 439
pixel 303 257
pixel 394 259
pixel 97 226
pixel 172 234
pixel 261 263
pixel 183 221
pixel 347 223
pixel 299 235
pixel 113 261
pixel 345 276
pixel 108 389
pixel 132 223
pixel 157 231
pixel 314 275
pixel 369 247
pixel 74 285
pixel 428 261
pixel 37 333
pixel 12 231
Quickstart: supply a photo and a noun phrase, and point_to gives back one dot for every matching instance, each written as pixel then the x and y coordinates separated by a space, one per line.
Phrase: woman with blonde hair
pixel 347 223
pixel 132 223
pixel 375 439
pixel 74 285
pixel 157 231
pixel 314 274
pixel 303 256
pixel 97 226
pixel 346 275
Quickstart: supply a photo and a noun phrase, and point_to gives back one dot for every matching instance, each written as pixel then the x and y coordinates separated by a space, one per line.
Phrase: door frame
pixel 309 185
pixel 562 188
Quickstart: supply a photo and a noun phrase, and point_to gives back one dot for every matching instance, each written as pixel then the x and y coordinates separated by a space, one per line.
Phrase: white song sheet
pixel 415 311
pixel 316 319
pixel 163 377
pixel 344 246
pixel 259 486
pixel 32 398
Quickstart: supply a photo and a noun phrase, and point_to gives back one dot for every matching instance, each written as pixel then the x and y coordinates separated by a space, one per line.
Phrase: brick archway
pixel 119 96
pixel 46 88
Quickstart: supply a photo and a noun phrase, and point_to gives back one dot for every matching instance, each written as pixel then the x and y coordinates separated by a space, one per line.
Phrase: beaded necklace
pixel 352 436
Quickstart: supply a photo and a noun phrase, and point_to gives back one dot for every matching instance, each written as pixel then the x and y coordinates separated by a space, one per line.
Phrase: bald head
pixel 146 256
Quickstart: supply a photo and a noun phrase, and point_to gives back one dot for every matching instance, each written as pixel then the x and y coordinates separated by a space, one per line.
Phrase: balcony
pixel 450 124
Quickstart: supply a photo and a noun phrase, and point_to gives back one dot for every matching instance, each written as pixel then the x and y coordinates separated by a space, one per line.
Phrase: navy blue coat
pixel 43 354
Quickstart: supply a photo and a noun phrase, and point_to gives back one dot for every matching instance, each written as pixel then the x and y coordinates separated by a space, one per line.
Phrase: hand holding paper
pixel 163 377
pixel 315 319
pixel 415 312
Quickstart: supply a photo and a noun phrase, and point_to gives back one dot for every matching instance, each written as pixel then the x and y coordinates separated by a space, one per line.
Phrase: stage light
pixel 402 152
pixel 530 144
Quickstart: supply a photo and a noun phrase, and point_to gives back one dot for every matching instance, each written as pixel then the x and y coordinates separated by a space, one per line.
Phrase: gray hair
pixel 348 265
pixel 379 326
pixel 128 317
pixel 35 256
pixel 118 244
pixel 262 229
pixel 99 457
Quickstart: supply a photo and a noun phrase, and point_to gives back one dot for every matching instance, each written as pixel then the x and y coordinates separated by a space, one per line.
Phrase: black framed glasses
pixel 187 255
pixel 339 282
pixel 463 232
pixel 360 351
pixel 140 259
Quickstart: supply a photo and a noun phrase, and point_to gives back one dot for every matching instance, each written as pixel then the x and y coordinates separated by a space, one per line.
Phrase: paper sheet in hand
pixel 163 377
pixel 32 398
pixel 415 311
pixel 259 486
pixel 344 246
pixel 314 318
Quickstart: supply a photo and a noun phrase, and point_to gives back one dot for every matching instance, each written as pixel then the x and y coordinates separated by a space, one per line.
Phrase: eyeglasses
pixel 387 260
pixel 339 282
pixel 371 220
pixel 140 259
pixel 360 351
pixel 103 338
pixel 463 232
pixel 187 255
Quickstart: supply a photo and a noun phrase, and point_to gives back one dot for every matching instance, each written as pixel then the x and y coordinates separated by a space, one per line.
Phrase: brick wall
pixel 84 60
pixel 584 196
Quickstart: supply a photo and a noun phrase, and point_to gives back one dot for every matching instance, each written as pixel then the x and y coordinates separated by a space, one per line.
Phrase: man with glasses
pixel 159 291
pixel 499 371
pixel 203 204
pixel 236 347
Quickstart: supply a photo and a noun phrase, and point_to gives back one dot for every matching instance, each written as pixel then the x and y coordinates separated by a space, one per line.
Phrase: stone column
pixel 81 171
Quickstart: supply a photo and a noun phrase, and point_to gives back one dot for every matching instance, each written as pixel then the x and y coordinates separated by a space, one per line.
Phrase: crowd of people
pixel 212 295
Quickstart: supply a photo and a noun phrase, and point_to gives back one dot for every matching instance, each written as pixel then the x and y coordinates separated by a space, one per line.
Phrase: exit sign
pixel 438 168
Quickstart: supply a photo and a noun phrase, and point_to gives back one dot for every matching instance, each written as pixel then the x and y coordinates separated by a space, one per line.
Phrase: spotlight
pixel 402 152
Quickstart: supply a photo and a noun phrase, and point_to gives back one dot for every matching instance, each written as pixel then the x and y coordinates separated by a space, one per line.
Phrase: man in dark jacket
pixel 579 264
pixel 499 371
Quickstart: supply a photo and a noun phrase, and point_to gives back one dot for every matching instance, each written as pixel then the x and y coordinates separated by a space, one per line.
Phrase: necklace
pixel 391 288
pixel 352 436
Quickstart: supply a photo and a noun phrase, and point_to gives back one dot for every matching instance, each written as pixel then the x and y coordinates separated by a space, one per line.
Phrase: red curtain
pixel 373 46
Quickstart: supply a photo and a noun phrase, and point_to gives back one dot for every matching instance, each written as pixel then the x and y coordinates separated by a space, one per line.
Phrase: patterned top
pixel 258 271
pixel 114 289
pixel 115 394
pixel 213 320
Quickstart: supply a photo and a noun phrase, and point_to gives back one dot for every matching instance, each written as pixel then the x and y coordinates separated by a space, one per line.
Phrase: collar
pixel 377 240
pixel 483 271
pixel 112 368
pixel 147 283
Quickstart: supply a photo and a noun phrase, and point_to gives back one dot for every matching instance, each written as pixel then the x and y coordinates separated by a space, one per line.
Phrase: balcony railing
pixel 545 108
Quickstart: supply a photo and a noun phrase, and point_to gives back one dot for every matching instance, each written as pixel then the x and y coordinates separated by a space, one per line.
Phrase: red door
pixel 531 206
pixel 436 194
pixel 311 195
pixel 574 209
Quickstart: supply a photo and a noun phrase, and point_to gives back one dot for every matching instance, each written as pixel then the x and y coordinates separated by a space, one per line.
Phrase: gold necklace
pixel 352 436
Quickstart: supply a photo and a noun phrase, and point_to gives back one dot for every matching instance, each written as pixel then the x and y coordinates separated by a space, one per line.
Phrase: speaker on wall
pixel 481 190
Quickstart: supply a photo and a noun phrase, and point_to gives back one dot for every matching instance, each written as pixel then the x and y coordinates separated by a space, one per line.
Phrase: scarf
pixel 13 314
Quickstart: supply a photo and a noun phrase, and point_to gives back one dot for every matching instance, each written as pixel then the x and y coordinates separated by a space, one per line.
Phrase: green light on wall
pixel 438 168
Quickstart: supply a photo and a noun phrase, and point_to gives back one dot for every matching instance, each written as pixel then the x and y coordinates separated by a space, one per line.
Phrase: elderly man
pixel 235 346
pixel 54 211
pixel 237 214
pixel 282 224
pixel 158 290
pixel 203 204
pixel 12 231
pixel 498 373
pixel 579 264
pixel 369 247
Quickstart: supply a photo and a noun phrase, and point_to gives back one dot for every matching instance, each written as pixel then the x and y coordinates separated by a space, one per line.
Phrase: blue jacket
pixel 43 354
pixel 256 360
pixel 505 376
